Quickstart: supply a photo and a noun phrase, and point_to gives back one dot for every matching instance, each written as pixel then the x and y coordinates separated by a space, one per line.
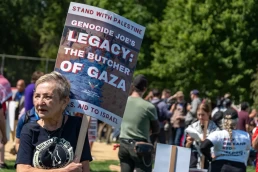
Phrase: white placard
pixel 10 117
pixel 183 159
pixel 163 158
pixel 11 114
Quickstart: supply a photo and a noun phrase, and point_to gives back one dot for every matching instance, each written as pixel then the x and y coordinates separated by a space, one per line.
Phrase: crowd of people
pixel 221 136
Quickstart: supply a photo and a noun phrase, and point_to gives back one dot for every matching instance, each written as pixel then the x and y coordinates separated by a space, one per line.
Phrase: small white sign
pixel 164 156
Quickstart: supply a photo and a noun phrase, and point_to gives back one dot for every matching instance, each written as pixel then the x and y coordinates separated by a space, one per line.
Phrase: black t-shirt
pixel 39 148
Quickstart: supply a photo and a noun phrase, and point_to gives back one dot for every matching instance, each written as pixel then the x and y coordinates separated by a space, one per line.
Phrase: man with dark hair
pixel 243 117
pixel 140 117
pixel 163 115
pixel 227 103
pixel 156 93
pixel 28 102
pixel 217 115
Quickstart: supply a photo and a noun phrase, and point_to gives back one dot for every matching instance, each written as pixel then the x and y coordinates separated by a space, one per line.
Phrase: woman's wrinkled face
pixel 47 102
pixel 202 116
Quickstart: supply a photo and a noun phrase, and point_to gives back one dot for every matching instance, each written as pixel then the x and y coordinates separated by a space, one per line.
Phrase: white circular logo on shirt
pixel 53 154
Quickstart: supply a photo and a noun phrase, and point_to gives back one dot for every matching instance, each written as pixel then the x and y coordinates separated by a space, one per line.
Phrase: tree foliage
pixel 254 86
pixel 210 45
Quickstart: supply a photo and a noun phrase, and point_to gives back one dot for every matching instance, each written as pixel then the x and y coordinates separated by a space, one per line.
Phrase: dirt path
pixel 102 151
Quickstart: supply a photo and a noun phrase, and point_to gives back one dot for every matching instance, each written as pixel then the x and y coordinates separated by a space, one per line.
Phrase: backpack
pixel 27 117
pixel 161 117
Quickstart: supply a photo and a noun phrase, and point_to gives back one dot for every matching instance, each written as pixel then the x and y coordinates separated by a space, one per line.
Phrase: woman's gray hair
pixel 62 84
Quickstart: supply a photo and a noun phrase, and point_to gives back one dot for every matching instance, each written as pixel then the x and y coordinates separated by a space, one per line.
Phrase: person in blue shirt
pixel 18 97
pixel 29 116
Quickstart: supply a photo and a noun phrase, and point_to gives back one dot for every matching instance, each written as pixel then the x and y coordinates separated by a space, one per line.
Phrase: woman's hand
pixel 189 141
pixel 74 167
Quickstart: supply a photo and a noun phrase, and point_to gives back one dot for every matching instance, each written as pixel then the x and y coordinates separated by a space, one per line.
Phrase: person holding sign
pixel 197 132
pixel 50 143
pixel 231 146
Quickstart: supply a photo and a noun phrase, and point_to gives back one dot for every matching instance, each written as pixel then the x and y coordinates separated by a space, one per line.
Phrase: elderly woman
pixel 231 146
pixel 203 128
pixel 49 144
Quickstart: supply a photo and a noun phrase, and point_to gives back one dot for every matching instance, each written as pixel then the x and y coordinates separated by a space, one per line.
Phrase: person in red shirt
pixel 255 145
pixel 5 95
pixel 3 138
pixel 243 117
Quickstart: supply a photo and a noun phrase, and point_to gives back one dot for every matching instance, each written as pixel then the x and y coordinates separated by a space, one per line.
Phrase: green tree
pixel 20 22
pixel 142 12
pixel 210 45
pixel 254 86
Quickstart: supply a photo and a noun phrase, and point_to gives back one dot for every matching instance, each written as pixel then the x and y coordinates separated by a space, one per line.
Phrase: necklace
pixel 50 133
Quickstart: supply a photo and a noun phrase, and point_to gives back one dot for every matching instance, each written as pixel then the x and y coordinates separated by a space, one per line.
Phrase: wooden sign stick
pixel 81 138
pixel 172 167
pixel 204 137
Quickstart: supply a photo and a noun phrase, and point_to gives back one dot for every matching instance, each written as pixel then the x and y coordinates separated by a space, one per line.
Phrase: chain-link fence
pixel 21 67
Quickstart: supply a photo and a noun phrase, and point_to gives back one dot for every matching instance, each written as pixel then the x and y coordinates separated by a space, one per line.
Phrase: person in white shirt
pixel 231 146
pixel 203 128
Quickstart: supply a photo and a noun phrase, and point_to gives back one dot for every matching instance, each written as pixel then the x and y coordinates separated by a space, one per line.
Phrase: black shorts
pixel 227 166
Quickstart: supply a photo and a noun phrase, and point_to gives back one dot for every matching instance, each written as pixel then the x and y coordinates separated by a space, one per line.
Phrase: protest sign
pixel 5 89
pixel 93 129
pixel 98 54
pixel 170 158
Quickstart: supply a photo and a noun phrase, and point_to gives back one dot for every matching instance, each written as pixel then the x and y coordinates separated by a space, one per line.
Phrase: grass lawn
pixel 96 166
pixel 250 169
